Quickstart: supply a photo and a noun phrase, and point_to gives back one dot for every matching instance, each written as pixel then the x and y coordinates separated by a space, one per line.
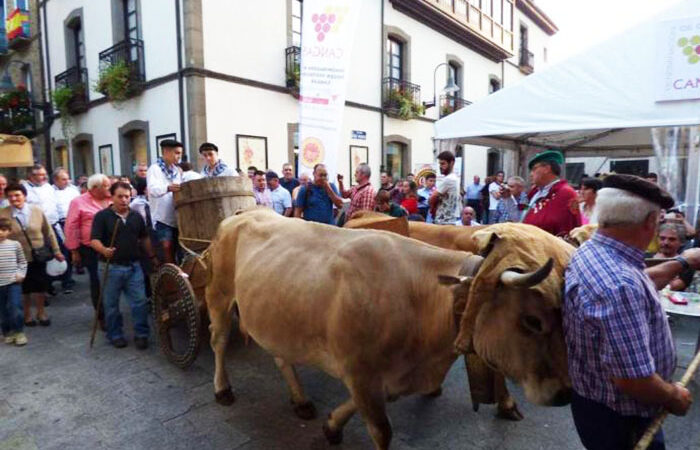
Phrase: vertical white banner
pixel 328 31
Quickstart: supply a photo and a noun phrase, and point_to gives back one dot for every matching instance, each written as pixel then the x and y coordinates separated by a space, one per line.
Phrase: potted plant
pixel 115 82
pixel 62 98
pixel 402 102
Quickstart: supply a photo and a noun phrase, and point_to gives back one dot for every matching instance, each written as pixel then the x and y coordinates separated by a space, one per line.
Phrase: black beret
pixel 271 174
pixel 641 187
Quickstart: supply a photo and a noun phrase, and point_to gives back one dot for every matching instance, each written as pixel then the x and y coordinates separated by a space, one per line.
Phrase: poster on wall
pixel 160 139
pixel 678 59
pixel 106 159
pixel 328 32
pixel 251 151
pixel 358 154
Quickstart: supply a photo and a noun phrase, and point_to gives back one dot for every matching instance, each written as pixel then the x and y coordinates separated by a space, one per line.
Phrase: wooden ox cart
pixel 180 311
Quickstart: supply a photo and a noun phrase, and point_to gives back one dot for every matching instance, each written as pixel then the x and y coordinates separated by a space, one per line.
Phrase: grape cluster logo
pixel 327 22
pixel 691 48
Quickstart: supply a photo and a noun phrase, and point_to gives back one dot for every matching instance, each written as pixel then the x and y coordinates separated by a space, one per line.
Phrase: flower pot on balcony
pixel 118 82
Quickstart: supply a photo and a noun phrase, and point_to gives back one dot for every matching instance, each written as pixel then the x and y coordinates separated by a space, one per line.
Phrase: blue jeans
pixel 11 311
pixel 129 281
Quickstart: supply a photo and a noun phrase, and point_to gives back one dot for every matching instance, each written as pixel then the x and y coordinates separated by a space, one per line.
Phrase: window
pixel 508 15
pixel 394 158
pixel 544 54
pixel 27 77
pixel 76 53
pixel 296 22
pixel 131 26
pixel 394 49
pixel 497 11
pixel 523 37
pixel 494 85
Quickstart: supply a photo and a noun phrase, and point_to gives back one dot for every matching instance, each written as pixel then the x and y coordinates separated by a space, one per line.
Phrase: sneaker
pixel 119 343
pixel 141 343
pixel 68 291
pixel 20 339
pixel 11 338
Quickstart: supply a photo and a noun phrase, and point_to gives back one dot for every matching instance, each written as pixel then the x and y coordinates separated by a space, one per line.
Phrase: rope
pixel 199 258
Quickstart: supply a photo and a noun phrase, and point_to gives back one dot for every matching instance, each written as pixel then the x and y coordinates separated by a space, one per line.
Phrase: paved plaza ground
pixel 55 394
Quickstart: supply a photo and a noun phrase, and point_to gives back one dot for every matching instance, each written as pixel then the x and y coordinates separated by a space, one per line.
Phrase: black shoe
pixel 119 342
pixel 51 291
pixel 68 291
pixel 30 323
pixel 45 323
pixel 47 302
pixel 141 343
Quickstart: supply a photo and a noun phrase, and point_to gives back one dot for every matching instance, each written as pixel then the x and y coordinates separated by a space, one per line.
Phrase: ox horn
pixel 528 279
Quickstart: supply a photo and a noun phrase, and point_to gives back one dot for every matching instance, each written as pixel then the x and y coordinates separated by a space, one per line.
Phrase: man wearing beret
pixel 620 351
pixel 553 206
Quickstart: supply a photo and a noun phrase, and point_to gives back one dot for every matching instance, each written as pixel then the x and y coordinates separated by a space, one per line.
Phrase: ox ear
pixel 485 240
pixel 449 280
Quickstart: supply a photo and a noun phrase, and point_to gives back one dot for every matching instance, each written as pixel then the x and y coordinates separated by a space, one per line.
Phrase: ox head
pixel 512 318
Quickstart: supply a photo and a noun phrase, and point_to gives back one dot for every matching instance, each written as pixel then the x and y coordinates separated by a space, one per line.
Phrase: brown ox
pixel 451 237
pixel 367 307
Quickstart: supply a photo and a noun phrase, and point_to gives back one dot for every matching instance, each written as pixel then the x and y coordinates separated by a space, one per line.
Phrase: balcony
pixel 464 22
pixel 401 99
pixel 17 26
pixel 293 68
pixel 451 103
pixel 16 113
pixel 122 70
pixel 72 91
pixel 527 61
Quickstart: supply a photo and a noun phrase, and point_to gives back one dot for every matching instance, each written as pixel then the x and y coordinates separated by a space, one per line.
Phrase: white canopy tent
pixel 598 103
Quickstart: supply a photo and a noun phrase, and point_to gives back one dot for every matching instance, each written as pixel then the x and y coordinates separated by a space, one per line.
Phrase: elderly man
pixel 446 200
pixel 281 198
pixel 472 196
pixel 214 167
pixel 468 218
pixel 164 177
pixel 64 192
pixel 671 240
pixel 81 213
pixel 41 193
pixel 620 349
pixel 288 181
pixel 362 194
pixel 316 200
pixel 553 203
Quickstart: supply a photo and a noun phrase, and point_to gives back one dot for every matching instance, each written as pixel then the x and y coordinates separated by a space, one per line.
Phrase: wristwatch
pixel 683 261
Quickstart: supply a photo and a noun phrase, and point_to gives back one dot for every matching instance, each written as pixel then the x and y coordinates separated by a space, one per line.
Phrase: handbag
pixel 41 254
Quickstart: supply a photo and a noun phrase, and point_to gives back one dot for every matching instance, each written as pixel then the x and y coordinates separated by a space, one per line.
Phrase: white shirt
pixel 43 196
pixel 63 199
pixel 22 214
pixel 473 224
pixel 493 201
pixel 450 206
pixel 281 199
pixel 159 198
pixel 191 175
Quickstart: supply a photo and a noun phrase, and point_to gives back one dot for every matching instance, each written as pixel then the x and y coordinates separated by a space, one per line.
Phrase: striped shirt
pixel 614 324
pixel 12 262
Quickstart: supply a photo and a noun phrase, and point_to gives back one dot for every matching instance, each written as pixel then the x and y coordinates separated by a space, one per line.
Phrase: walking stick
pixel 102 286
pixel 656 424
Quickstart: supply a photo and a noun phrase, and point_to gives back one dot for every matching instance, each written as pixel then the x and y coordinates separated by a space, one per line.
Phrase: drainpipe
pixel 180 77
pixel 46 75
pixel 381 89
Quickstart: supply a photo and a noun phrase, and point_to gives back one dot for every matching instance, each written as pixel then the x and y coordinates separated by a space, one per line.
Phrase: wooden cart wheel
pixel 176 315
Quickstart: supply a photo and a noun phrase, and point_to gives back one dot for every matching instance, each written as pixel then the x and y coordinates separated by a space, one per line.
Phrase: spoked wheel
pixel 177 316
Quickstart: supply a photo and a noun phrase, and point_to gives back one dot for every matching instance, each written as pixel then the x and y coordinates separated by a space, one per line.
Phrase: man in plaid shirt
pixel 620 349
pixel 362 194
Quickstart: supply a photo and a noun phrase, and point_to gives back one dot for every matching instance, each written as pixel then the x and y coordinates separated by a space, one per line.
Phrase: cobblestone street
pixel 56 394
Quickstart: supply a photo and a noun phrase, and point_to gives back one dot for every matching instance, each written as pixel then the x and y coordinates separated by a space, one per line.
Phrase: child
pixel 13 268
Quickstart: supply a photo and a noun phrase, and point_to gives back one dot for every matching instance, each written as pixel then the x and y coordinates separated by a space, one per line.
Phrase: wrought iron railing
pixel 75 79
pixel 527 61
pixel 451 103
pixel 401 99
pixel 16 113
pixel 128 52
pixel 293 67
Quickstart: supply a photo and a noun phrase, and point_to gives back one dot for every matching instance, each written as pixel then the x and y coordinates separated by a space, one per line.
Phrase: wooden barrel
pixel 202 204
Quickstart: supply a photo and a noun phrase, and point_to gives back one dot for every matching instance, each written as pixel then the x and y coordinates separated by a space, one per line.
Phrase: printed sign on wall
pixel 678 59
pixel 328 32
